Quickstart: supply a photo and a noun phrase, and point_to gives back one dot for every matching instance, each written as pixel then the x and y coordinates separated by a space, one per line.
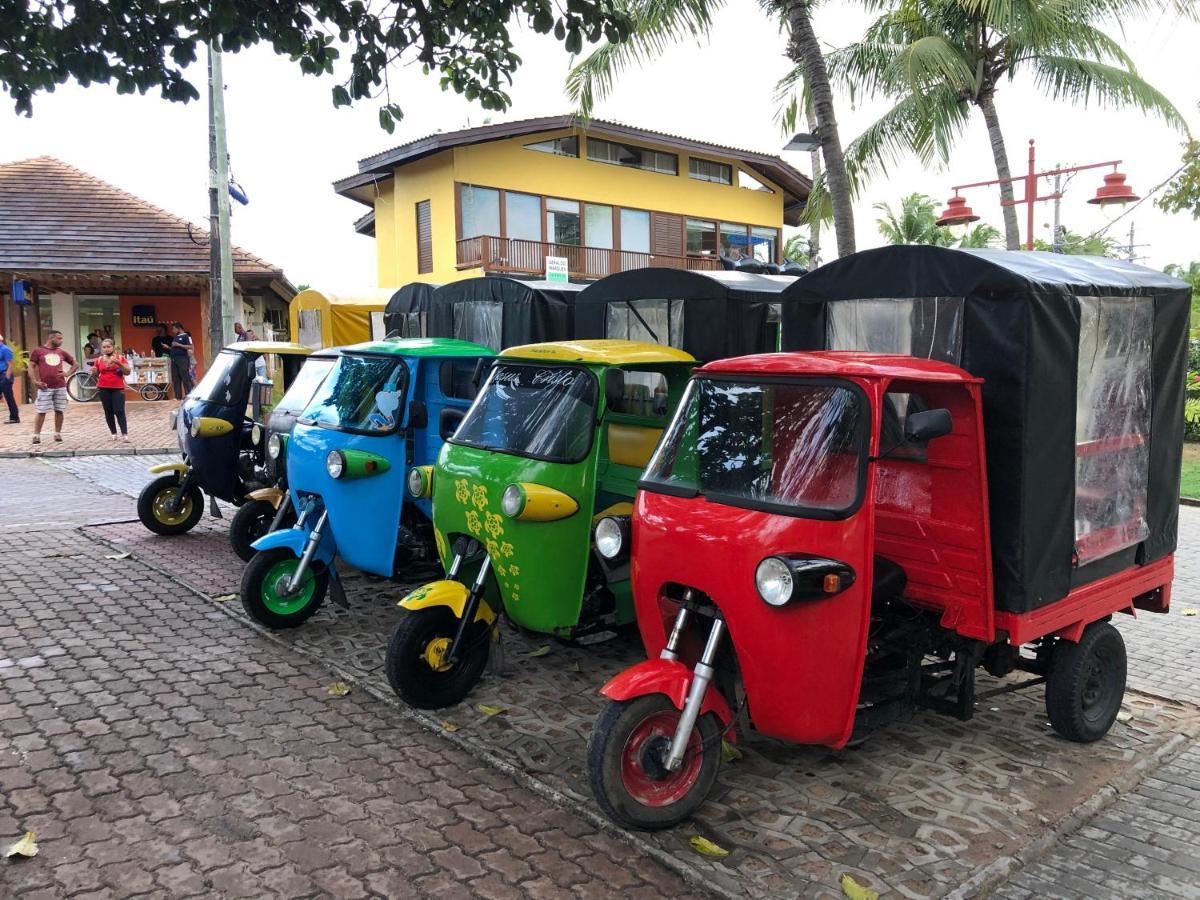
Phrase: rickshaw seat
pixel 631 445
pixel 888 581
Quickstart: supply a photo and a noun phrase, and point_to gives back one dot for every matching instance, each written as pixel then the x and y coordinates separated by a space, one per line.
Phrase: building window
pixel 564 146
pixel 523 216
pixel 735 240
pixel 750 183
pixel 562 221
pixel 765 241
pixel 598 226
pixel 424 239
pixel 701 237
pixel 480 209
pixel 635 230
pixel 704 170
pixel 630 155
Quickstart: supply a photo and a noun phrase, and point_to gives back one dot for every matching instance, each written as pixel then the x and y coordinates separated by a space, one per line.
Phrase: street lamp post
pixel 1114 192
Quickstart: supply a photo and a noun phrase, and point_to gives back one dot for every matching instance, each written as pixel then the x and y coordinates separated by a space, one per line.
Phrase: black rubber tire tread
pixel 412 679
pixel 145 506
pixel 251 591
pixel 1065 683
pixel 248 526
pixel 608 737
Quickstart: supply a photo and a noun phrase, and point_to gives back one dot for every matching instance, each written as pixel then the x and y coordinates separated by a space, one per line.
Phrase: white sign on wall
pixel 556 269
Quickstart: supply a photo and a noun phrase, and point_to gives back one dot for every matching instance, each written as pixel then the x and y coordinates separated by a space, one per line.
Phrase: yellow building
pixel 606 197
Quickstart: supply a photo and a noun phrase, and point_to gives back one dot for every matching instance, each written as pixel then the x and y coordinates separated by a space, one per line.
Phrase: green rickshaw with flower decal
pixel 531 506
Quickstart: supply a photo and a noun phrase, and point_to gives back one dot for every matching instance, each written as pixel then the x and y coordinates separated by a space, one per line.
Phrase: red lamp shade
pixel 1114 191
pixel 957 212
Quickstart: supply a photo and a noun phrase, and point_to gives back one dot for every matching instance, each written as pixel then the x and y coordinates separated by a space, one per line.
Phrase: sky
pixel 288 144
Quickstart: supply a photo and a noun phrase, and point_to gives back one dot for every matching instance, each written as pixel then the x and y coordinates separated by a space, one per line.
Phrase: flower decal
pixel 479 497
pixel 494 525
pixel 461 493
pixel 474 525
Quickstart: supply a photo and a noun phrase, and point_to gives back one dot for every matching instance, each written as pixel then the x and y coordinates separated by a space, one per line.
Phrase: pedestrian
pixel 46 373
pixel 8 367
pixel 111 369
pixel 240 332
pixel 181 348
pixel 160 344
pixel 91 346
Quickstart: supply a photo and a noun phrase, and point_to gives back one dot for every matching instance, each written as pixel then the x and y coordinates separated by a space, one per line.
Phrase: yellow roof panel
pixel 606 352
pixel 282 347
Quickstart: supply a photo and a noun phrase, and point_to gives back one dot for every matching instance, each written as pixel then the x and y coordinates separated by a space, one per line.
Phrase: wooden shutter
pixel 424 239
pixel 666 235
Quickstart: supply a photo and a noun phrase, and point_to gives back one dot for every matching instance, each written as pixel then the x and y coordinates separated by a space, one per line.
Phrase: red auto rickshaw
pixel 825 541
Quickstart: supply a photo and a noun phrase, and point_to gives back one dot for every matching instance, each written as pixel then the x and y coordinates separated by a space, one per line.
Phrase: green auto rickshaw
pixel 555 442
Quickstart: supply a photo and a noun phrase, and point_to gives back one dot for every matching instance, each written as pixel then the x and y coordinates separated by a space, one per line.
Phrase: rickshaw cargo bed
pixel 1083 361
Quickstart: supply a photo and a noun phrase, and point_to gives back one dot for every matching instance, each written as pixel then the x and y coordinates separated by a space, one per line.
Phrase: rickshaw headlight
pixel 274 446
pixel 420 481
pixel 773 578
pixel 610 537
pixel 335 464
pixel 256 435
pixel 512 501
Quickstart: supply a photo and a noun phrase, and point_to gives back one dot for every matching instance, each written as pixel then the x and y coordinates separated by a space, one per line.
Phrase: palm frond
pixel 930 60
pixel 1081 81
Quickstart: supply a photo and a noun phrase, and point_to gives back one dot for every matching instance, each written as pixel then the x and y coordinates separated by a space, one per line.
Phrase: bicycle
pixel 82 386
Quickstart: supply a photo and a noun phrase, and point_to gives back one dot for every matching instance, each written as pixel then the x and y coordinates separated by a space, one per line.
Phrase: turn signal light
pixel 833 584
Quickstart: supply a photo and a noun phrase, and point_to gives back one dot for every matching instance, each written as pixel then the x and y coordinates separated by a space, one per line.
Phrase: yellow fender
pixel 180 467
pixel 272 495
pixel 210 426
pixel 452 594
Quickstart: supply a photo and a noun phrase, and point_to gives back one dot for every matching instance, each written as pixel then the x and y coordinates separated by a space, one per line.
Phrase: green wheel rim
pixel 273 582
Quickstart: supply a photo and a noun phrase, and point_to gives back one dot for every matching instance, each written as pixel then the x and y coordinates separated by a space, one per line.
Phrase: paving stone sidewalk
pixel 85 431
pixel 157 748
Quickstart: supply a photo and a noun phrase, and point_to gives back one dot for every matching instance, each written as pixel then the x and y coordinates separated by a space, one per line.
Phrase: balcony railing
pixel 517 256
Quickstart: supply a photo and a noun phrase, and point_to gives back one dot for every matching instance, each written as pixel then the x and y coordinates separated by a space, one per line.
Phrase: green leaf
pixel 705 847
pixel 729 751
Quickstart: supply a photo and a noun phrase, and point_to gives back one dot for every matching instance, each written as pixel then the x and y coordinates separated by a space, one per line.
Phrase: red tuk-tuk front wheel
pixel 625 757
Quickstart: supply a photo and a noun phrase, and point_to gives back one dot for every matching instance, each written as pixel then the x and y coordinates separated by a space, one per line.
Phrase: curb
pixel 1188 501
pixel 113 451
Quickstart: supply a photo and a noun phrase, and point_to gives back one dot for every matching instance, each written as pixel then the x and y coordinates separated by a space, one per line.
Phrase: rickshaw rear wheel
pixel 251 522
pixel 154 514
pixel 1086 683
pixel 414 650
pixel 264 595
pixel 625 755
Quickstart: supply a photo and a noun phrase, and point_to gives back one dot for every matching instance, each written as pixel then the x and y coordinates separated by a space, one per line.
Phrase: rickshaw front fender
pixel 296 539
pixel 273 495
pixel 451 594
pixel 180 467
pixel 670 678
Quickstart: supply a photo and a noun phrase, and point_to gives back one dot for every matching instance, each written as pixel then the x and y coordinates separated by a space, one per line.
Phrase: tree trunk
pixel 805 50
pixel 1012 237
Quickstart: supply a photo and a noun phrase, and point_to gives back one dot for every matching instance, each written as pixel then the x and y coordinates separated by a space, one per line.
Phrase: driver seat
pixel 887 582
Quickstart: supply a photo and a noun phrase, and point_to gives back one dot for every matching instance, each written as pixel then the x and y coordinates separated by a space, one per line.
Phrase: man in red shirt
pixel 46 372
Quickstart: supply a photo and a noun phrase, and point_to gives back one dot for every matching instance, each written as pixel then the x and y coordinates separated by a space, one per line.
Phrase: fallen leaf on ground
pixel 1124 715
pixel 489 710
pixel 706 847
pixel 575 667
pixel 124 555
pixel 224 598
pixel 26 846
pixel 856 891
pixel 729 752
pixel 447 725
pixel 1191 612
pixel 339 689
pixel 540 651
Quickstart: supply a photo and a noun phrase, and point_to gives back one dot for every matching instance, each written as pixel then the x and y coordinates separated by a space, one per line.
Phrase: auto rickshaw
pixel 559 434
pixel 268 509
pixel 220 429
pixel 827 541
pixel 386 406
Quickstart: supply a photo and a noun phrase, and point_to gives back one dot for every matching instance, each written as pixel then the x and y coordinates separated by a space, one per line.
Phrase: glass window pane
pixel 748 181
pixel 764 240
pixel 598 226
pixel 735 240
pixel 564 146
pixel 480 211
pixel 642 394
pixel 523 216
pixel 635 230
pixel 562 222
pixel 701 236
pixel 363 394
pixel 706 170
pixel 633 156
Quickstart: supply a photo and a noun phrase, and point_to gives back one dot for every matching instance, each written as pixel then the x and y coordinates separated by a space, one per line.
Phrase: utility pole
pixel 1130 248
pixel 220 276
pixel 1056 239
pixel 814 229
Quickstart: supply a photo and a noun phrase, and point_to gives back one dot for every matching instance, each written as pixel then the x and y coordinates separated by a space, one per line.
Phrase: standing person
pixel 240 332
pixel 46 373
pixel 160 344
pixel 181 347
pixel 111 369
pixel 7 367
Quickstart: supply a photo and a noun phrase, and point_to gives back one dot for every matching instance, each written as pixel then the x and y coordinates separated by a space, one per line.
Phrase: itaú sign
pixel 144 315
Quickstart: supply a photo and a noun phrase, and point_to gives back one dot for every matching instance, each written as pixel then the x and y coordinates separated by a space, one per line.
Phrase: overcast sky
pixel 288 144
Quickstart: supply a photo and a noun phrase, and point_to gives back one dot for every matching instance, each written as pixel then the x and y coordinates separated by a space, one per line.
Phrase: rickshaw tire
pixel 416 683
pixel 242 530
pixel 145 506
pixel 1067 683
pixel 604 761
pixel 251 590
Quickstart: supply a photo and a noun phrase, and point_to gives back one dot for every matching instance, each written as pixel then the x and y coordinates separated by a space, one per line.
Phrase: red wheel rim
pixel 641 785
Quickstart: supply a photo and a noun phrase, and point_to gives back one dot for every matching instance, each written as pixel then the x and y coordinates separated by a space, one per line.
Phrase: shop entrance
pixel 100 315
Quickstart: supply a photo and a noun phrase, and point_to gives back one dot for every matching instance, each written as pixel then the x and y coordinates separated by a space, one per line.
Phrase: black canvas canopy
pixel 503 312
pixel 405 314
pixel 1083 361
pixel 711 315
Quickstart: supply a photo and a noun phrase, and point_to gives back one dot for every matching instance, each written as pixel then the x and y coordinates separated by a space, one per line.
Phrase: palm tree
pixel 979 237
pixel 916 223
pixel 938 59
pixel 658 23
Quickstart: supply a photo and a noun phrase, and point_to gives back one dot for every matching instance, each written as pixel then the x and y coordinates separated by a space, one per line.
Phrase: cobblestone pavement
pixel 157 748
pixel 84 430
pixel 919 809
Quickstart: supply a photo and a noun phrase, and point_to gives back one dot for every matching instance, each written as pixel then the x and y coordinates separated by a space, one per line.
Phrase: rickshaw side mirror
pixel 925 426
pixel 477 375
pixel 614 387
pixel 418 414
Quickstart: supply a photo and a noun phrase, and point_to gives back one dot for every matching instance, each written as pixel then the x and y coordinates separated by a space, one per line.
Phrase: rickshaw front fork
pixel 185 482
pixel 701 676
pixel 470 608
pixel 310 550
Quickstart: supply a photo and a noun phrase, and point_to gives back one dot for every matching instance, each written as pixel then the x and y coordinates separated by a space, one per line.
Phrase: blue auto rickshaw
pixel 386 408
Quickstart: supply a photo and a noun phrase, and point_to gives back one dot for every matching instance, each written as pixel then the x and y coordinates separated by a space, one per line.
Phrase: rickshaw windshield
pixel 543 412
pixel 297 397
pixel 227 380
pixel 363 395
pixel 795 447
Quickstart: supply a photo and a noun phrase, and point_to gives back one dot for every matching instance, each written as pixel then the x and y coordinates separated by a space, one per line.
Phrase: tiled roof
pixel 56 218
